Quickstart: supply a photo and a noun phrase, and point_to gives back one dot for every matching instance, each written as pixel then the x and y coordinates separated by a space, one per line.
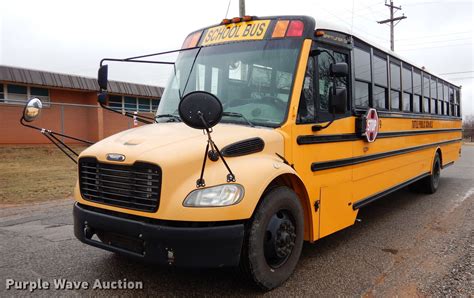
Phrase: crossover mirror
pixel 200 110
pixel 32 109
pixel 340 69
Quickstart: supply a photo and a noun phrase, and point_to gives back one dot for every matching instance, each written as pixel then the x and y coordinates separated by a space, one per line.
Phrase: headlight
pixel 216 196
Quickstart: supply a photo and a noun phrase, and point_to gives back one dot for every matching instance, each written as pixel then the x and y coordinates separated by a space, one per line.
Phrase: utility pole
pixel 241 8
pixel 391 21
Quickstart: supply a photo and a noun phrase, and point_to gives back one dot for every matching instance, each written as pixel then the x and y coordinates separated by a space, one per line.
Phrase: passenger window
pixel 306 107
pixel 380 82
pixel 363 77
pixel 395 86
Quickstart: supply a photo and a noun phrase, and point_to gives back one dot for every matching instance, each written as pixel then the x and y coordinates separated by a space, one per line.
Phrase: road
pixel 405 244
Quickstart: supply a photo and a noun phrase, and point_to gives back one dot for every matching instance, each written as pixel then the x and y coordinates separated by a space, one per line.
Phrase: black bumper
pixel 216 246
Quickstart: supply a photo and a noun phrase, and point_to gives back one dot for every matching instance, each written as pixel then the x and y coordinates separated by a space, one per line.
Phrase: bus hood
pixel 175 142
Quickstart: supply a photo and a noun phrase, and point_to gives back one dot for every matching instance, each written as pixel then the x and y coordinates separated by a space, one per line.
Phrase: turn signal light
pixel 295 28
pixel 236 20
pixel 319 33
pixel 247 18
pixel 225 22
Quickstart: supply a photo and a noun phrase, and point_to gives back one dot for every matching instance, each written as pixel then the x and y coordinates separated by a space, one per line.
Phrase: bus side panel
pixel 336 208
pixel 373 184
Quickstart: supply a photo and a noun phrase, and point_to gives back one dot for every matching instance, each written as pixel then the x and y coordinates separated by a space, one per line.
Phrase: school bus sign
pixel 253 30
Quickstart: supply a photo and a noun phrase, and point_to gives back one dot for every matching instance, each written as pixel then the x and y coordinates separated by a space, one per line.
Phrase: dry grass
pixel 35 173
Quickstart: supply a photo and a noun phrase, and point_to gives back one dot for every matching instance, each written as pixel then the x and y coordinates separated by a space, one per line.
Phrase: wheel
pixel 430 184
pixel 274 239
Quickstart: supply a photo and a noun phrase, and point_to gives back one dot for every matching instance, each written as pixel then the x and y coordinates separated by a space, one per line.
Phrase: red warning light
pixel 295 28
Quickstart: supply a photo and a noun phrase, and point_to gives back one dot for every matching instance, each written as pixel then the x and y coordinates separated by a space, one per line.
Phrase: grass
pixel 35 174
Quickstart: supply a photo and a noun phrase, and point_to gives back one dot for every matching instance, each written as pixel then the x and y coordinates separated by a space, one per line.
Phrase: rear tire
pixel 430 184
pixel 274 239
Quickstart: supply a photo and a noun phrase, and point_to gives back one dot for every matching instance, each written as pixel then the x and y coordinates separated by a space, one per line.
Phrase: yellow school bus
pixel 271 131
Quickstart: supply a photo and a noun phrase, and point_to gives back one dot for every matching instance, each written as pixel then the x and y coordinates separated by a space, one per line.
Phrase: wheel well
pixel 294 183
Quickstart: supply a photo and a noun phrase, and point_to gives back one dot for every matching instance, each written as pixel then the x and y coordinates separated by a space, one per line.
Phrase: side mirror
pixel 200 110
pixel 340 69
pixel 338 100
pixel 102 77
pixel 32 109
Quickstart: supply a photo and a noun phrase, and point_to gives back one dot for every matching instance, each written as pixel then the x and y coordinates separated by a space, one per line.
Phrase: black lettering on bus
pixel 209 35
pixel 247 30
pixel 260 29
pixel 253 30
pixel 237 31
pixel 219 35
pixel 233 32
pixel 226 33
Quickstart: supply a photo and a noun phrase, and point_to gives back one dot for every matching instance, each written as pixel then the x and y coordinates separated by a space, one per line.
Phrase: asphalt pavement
pixel 405 244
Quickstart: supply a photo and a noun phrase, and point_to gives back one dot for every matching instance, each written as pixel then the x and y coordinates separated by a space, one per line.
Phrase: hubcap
pixel 280 238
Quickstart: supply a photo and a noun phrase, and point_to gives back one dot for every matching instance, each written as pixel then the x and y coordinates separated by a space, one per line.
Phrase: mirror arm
pixel 55 133
pixel 50 138
pixel 140 118
pixel 135 61
pixel 319 127
pixel 210 143
pixel 64 144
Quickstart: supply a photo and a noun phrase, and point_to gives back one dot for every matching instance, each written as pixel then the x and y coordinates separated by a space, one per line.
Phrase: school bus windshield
pixel 252 78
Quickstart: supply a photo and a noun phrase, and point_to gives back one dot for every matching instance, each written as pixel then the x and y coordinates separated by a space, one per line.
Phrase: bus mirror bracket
pixel 203 110
pixel 31 112
pixel 337 104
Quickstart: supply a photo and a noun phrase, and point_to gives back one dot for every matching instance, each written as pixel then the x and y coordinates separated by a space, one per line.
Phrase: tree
pixel 468 128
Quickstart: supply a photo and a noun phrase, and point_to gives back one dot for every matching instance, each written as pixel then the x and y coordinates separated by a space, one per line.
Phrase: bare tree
pixel 468 128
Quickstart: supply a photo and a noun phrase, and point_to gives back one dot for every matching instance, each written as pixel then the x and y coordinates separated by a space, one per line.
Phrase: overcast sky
pixel 72 36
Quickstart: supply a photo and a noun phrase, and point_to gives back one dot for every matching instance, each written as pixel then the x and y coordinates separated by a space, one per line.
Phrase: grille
pixel 135 187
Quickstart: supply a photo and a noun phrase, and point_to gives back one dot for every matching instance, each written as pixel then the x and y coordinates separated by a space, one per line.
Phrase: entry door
pixel 315 147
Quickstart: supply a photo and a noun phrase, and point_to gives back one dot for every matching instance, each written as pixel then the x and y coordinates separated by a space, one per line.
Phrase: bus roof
pixel 325 25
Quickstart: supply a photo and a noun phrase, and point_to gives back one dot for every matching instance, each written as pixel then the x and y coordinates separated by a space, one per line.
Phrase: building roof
pixel 59 80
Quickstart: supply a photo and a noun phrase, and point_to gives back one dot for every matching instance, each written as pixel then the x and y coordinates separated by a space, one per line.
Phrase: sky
pixel 72 36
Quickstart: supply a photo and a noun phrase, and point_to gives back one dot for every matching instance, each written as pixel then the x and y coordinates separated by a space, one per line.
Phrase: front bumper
pixel 215 246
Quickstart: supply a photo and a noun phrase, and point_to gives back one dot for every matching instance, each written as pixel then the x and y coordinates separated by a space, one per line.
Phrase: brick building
pixel 69 105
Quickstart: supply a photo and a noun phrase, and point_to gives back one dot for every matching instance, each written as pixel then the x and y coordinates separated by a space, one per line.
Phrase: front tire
pixel 274 240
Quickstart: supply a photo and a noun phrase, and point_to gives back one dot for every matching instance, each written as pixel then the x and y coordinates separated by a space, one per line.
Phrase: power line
pixel 436 41
pixel 462 78
pixel 435 35
pixel 349 24
pixel 457 72
pixel 446 46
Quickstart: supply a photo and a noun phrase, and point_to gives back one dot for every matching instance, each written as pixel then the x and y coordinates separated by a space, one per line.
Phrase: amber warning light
pixel 192 40
pixel 288 28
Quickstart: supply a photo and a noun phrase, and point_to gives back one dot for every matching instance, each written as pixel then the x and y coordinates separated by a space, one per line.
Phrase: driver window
pixel 306 106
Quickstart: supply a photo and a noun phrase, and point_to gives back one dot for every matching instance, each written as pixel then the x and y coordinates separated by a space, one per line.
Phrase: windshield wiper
pixel 233 114
pixel 168 116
